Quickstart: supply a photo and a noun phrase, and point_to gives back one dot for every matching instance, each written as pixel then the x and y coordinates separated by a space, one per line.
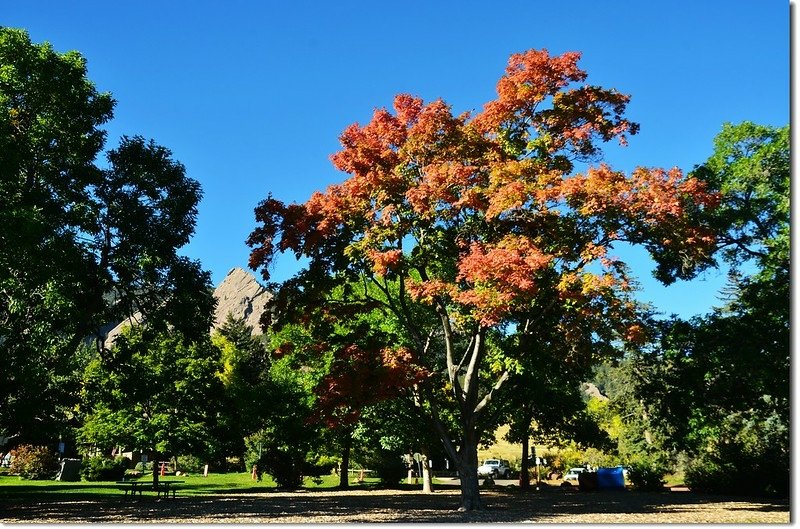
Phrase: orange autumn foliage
pixel 482 221
pixel 492 200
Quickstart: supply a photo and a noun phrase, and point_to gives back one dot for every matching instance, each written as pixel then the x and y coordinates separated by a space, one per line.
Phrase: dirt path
pixel 401 506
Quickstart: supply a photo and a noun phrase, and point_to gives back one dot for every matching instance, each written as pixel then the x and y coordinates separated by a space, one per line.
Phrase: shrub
pixel 34 462
pixel 647 474
pixel 190 464
pixel 320 465
pixel 282 456
pixel 705 475
pixel 568 457
pixel 553 465
pixel 598 458
pixel 104 468
pixel 144 468
pixel 286 470
pixel 729 471
pixel 388 466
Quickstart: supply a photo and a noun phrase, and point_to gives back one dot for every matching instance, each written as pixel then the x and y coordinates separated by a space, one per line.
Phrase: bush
pixel 647 474
pixel 190 464
pixel 280 450
pixel 388 466
pixel 286 470
pixel 320 465
pixel 104 468
pixel 729 471
pixel 285 467
pixel 600 459
pixel 566 458
pixel 705 475
pixel 34 462
pixel 144 468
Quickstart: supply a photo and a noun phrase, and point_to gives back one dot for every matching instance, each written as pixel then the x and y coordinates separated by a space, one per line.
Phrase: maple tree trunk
pixel 468 470
pixel 465 459
pixel 470 495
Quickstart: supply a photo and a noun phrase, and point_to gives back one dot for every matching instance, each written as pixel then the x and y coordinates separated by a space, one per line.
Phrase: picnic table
pixel 133 487
pixel 164 487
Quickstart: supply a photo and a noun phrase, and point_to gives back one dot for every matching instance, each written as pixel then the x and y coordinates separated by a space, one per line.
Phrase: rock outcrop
pixel 593 391
pixel 242 296
pixel 239 294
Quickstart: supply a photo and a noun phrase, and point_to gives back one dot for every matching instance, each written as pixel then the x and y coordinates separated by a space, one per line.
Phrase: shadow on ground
pixel 384 506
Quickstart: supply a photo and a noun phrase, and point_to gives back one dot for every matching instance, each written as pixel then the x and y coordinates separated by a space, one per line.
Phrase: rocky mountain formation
pixel 592 390
pixel 239 294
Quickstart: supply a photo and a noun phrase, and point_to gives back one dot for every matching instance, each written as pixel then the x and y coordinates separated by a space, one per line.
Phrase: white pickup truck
pixel 495 468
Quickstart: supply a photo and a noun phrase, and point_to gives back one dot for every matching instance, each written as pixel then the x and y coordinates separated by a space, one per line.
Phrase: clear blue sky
pixel 251 95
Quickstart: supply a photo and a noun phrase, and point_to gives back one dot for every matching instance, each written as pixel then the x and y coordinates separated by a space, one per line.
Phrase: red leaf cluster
pixel 359 377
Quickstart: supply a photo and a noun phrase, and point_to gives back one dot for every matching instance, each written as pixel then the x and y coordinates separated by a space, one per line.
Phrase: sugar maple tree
pixel 480 220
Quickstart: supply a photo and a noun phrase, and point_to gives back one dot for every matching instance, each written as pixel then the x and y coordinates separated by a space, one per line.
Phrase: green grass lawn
pixel 193 485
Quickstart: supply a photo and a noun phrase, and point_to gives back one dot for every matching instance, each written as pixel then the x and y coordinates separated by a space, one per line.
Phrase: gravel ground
pixel 553 506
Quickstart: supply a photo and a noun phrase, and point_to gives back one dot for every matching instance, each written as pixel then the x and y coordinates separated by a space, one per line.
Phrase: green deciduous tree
pixel 155 392
pixel 719 384
pixel 751 169
pixel 545 402
pixel 50 115
pixel 285 440
pixel 81 245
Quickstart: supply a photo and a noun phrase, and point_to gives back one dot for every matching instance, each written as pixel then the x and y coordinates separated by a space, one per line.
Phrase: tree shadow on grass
pixel 390 506
pixel 56 487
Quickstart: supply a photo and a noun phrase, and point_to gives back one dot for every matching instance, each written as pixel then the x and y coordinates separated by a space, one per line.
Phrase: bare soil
pixel 508 506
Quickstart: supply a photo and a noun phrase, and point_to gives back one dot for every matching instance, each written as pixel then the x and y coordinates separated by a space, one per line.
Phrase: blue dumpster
pixel 610 479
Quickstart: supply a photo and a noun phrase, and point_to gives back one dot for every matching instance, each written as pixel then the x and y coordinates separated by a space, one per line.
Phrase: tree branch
pixel 471 378
pixel 466 352
pixel 488 397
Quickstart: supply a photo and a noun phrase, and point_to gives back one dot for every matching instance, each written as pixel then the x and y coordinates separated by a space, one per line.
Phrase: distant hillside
pixel 501 448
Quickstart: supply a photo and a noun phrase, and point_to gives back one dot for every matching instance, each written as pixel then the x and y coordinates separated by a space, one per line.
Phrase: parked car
pixel 573 473
pixel 495 468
